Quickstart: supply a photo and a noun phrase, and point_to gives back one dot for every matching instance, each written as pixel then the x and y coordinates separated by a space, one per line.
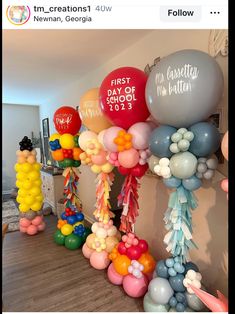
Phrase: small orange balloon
pixel 148 262
pixel 57 155
pixel 121 264
pixel 76 153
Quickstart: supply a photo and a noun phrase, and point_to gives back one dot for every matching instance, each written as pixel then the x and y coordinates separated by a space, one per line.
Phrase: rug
pixel 10 215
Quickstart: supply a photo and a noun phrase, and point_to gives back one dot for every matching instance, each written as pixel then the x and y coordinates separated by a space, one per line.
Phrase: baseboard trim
pixel 89 219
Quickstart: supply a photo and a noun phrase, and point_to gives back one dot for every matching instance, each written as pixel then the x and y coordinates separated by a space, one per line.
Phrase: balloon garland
pixel 104 235
pixel 65 149
pixel 182 150
pixel 224 149
pixel 29 195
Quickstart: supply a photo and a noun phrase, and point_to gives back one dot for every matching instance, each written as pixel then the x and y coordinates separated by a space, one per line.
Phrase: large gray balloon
pixel 194 302
pixel 183 165
pixel 184 88
pixel 160 290
pixel 151 306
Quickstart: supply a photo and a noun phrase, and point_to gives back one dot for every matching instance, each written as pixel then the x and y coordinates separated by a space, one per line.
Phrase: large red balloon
pixel 122 97
pixel 66 120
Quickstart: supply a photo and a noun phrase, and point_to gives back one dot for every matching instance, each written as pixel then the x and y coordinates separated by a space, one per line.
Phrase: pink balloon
pixel 109 136
pixel 23 229
pixel 122 248
pixel 135 287
pixel 101 136
pixel 224 145
pixel 24 222
pixel 224 185
pixel 99 260
pixel 86 251
pixel 31 230
pixel 41 226
pixel 140 134
pixel 99 159
pixel 113 276
pixel 143 245
pixel 128 158
pixel 37 220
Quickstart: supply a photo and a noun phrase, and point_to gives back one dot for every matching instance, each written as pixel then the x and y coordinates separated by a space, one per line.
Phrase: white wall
pixel 210 218
pixel 18 121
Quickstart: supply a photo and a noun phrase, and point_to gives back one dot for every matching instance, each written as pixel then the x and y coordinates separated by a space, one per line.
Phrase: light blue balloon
pixel 151 306
pixel 172 271
pixel 193 183
pixel 206 139
pixel 172 182
pixel 170 262
pixel 162 270
pixel 179 268
pixel 160 141
pixel 184 88
pixel 183 165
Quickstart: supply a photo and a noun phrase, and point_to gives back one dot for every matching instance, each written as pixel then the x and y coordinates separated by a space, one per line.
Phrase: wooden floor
pixel 40 276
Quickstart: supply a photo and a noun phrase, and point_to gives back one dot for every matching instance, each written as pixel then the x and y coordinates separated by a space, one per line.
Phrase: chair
pixel 4 231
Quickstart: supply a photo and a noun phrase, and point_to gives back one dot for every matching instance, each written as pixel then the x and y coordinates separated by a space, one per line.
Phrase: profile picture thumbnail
pixel 18 15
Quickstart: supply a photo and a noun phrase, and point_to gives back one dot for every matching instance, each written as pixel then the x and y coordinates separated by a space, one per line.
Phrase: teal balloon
pixel 176 283
pixel 206 139
pixel 172 182
pixel 193 183
pixel 183 165
pixel 151 306
pixel 162 269
pixel 184 88
pixel 160 141
pixel 59 238
pixel 73 242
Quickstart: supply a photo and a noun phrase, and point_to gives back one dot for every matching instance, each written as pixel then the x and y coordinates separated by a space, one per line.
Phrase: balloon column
pixel 122 99
pixel 172 289
pixel 132 265
pixel 104 235
pixel 29 194
pixel 224 148
pixel 182 91
pixel 66 151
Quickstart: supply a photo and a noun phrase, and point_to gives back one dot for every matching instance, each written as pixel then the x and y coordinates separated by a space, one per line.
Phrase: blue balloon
pixel 176 283
pixel 71 219
pixel 160 140
pixel 190 265
pixel 170 262
pixel 172 271
pixel 162 270
pixel 180 297
pixel 172 182
pixel 179 268
pixel 79 217
pixel 63 216
pixel 206 139
pixel 193 183
pixel 172 302
pixel 180 307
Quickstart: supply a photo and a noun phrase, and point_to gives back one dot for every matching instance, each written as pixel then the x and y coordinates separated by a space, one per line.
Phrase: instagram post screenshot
pixel 115 156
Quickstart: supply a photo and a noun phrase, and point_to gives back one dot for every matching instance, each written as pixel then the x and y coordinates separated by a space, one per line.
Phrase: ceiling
pixel 37 63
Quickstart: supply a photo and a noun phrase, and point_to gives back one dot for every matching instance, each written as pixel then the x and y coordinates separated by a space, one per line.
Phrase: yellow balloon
pixel 38 182
pixel 37 166
pixel 29 200
pixel 39 198
pixel 91 115
pixel 19 184
pixel 95 169
pixel 20 199
pixel 33 175
pixel 21 176
pixel 107 168
pixel 22 192
pixel 24 207
pixel 36 206
pixel 54 137
pixel 67 141
pixel 35 191
pixel 27 185
pixel 17 167
pixel 66 229
pixel 26 167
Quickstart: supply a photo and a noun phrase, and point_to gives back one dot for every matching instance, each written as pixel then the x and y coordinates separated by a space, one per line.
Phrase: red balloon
pixel 122 97
pixel 121 248
pixel 124 171
pixel 133 252
pixel 66 120
pixel 139 170
pixel 143 245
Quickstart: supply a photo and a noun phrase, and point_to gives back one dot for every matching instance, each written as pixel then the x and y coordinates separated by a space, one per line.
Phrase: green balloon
pixel 86 234
pixel 73 242
pixel 59 238
pixel 68 162
pixel 61 164
pixel 75 138
pixel 76 163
